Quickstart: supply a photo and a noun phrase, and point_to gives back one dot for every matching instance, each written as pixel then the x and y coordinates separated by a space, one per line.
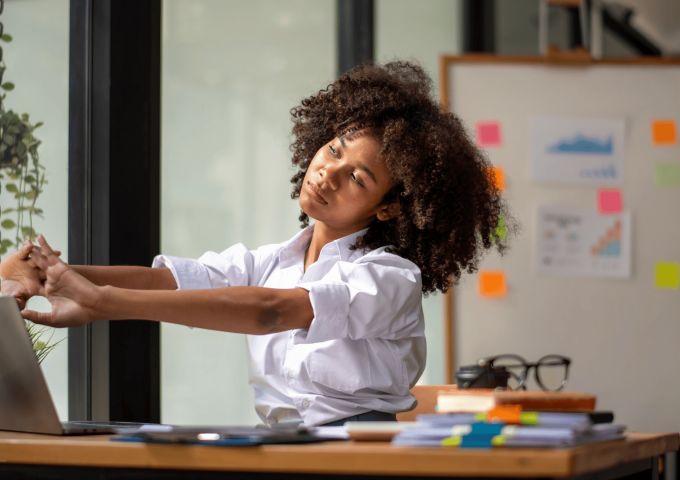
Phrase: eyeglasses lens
pixel 516 369
pixel 551 373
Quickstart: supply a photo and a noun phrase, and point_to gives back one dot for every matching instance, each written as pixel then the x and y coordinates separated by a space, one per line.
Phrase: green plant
pixel 22 179
pixel 41 346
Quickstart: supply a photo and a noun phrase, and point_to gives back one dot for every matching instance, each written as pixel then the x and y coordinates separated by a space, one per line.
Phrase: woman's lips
pixel 316 193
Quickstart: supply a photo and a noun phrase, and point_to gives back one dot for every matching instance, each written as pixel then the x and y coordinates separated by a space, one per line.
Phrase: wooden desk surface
pixel 333 457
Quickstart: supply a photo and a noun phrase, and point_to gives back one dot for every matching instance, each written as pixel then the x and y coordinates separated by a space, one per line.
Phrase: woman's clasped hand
pixel 39 270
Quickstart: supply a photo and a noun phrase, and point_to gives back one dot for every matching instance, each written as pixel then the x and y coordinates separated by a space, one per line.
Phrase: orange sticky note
pixel 498 177
pixel 492 284
pixel 664 132
pixel 488 134
pixel 505 413
pixel 609 200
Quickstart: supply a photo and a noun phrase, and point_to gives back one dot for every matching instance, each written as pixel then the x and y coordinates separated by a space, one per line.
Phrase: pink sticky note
pixel 609 200
pixel 489 134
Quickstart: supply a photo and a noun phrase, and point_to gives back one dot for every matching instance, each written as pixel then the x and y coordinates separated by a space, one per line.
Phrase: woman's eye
pixel 356 179
pixel 333 150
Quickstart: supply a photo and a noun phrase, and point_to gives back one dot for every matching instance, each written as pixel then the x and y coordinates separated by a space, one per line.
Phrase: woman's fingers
pixel 21 302
pixel 44 246
pixel 44 318
pixel 39 259
pixel 42 274
pixel 25 250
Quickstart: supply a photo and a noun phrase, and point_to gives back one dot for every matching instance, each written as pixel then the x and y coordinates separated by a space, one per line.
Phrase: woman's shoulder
pixel 385 256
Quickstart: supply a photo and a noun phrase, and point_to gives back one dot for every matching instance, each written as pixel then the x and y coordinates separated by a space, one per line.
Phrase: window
pixel 231 71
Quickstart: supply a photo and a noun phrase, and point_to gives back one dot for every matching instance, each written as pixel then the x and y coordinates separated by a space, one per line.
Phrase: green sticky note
pixel 668 174
pixel 501 229
pixel 668 275
pixel 529 418
pixel 451 442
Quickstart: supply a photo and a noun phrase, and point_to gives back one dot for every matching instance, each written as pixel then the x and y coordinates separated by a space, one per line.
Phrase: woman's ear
pixel 388 211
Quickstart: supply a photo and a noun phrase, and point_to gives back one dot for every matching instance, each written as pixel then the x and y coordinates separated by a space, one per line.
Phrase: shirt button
pixel 305 403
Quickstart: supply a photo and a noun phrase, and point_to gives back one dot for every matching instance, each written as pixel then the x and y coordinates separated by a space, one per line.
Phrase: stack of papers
pixel 526 429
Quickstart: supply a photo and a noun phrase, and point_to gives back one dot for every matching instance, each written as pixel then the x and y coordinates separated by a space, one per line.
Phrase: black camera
pixel 482 376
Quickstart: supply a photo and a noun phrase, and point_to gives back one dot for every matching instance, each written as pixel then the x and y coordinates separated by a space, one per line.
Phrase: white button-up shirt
pixel 365 347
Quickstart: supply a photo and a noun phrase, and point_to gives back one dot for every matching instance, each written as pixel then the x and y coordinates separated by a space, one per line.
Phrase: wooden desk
pixel 38 456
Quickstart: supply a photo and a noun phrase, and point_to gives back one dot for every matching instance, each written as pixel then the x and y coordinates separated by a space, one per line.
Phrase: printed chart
pixel 577 150
pixel 583 243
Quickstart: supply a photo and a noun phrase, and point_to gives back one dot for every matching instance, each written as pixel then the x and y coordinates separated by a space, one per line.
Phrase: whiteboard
pixel 622 334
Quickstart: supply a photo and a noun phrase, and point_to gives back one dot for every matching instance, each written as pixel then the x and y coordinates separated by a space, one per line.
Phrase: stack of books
pixel 486 419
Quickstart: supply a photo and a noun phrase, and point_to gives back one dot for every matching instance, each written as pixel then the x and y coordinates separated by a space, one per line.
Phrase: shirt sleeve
pixel 235 266
pixel 378 296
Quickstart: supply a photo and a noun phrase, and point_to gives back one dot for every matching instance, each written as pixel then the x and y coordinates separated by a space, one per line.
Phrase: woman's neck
pixel 321 236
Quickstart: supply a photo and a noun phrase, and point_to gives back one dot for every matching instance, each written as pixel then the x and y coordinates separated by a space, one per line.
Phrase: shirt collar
pixel 294 249
pixel 341 247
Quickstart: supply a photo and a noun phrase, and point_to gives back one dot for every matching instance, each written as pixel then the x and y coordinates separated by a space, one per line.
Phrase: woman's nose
pixel 329 177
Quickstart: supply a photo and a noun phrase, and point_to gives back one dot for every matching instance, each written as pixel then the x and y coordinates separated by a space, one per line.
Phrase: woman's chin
pixel 307 206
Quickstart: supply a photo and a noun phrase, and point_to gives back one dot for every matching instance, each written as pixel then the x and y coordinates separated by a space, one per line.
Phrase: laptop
pixel 25 401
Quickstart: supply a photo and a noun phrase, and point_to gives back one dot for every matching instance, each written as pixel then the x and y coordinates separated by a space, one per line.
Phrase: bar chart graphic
pixel 577 150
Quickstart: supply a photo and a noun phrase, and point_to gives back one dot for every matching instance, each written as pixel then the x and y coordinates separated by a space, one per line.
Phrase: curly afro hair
pixel 449 206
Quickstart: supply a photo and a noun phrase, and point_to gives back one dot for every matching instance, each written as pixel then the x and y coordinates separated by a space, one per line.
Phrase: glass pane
pixel 422 31
pixel 231 72
pixel 36 62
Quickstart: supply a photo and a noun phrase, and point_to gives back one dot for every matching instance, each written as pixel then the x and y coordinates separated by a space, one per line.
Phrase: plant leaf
pixel 28 232
pixel 8 224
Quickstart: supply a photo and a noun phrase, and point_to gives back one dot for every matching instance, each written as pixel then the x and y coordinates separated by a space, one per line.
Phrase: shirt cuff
pixel 330 303
pixel 189 274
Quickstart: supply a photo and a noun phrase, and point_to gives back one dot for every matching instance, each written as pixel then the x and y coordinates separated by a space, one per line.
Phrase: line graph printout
pixel 575 242
pixel 586 151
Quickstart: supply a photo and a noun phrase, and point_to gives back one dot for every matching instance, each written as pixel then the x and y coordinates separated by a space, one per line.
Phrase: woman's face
pixel 345 184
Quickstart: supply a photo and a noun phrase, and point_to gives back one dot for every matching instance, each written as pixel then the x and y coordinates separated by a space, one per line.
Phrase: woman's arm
pixel 21 278
pixel 136 278
pixel 77 301
pixel 253 310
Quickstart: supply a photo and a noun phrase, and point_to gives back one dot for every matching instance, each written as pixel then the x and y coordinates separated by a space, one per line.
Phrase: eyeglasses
pixel 550 372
